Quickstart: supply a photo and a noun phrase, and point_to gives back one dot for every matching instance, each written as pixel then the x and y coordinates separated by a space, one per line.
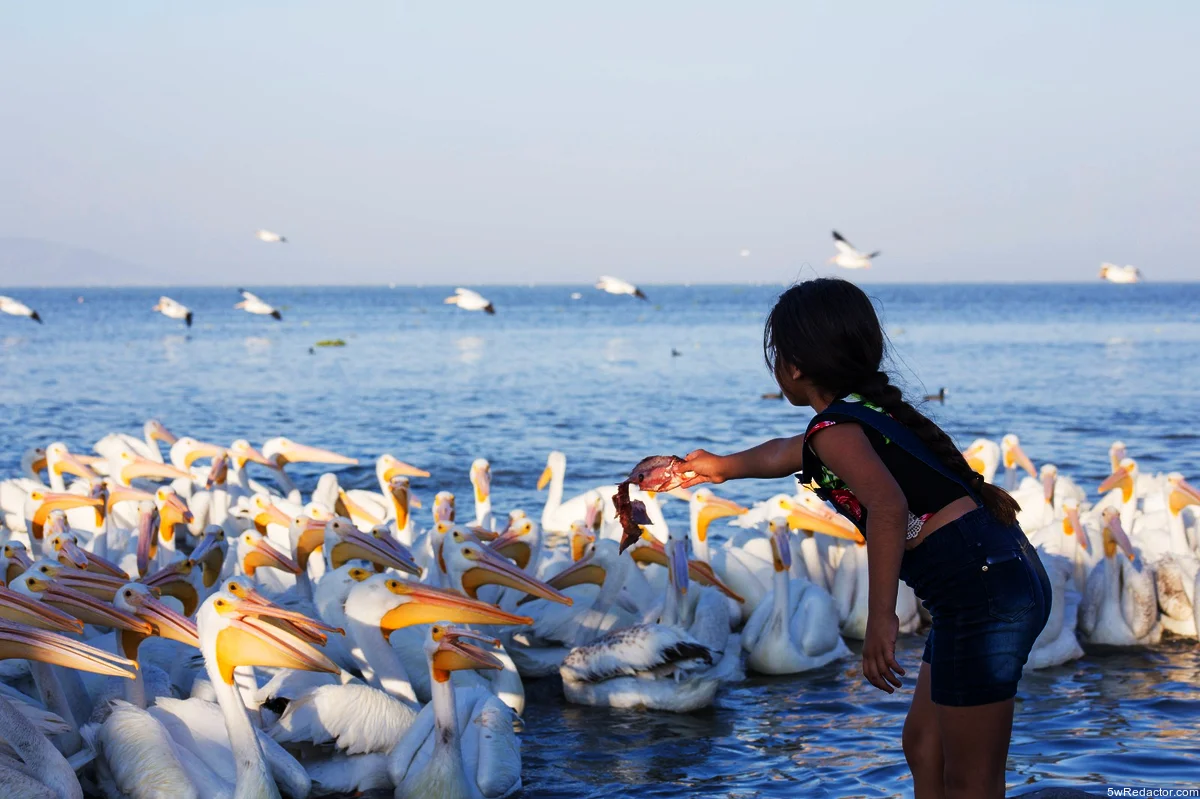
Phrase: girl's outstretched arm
pixel 778 457
pixel 845 449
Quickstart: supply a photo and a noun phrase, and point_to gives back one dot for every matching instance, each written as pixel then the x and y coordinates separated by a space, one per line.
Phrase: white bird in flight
pixel 10 306
pixel 848 257
pixel 615 285
pixel 1120 274
pixel 254 304
pixel 270 237
pixel 174 310
pixel 471 301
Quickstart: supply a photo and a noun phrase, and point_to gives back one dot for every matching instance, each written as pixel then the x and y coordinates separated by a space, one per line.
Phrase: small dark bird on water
pixel 938 397
pixel 773 395
pixel 675 353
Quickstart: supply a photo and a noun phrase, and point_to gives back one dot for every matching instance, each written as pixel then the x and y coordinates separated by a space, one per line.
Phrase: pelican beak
pixel 1122 478
pixel 1015 456
pixel 58 501
pixel 302 453
pixel 253 641
pixel 305 627
pixel 175 581
pixel 382 551
pixel 712 509
pixel 974 459
pixel 174 511
pixel 38 464
pixel 491 569
pixel 1072 526
pixel 101 586
pixel 268 514
pixel 580 541
pixel 17 641
pixel 310 536
pixel 242 450
pixel 781 547
pixel 91 610
pixel 398 468
pixel 164 622
pixel 485 536
pixel 801 518
pixel 544 480
pixel 73 464
pixel 218 475
pixel 1182 495
pixel 703 574
pixel 355 512
pixel 431 605
pixel 147 543
pixel 119 493
pixel 1114 535
pixel 583 571
pixel 510 545
pixel 263 554
pixel 401 497
pixel 18 561
pixel 16 607
pixel 200 449
pixel 136 466
pixel 649 550
pixel 1048 481
pixel 453 653
pixel 678 568
pixel 71 554
pixel 160 433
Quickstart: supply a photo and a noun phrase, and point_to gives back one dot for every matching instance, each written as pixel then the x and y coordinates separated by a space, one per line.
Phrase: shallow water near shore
pixel 1069 368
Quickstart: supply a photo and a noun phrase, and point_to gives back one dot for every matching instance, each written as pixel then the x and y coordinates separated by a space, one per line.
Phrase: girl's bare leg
pixel 975 747
pixel 923 741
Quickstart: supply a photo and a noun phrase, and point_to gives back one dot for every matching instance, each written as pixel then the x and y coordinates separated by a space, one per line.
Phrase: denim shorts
pixel 989 597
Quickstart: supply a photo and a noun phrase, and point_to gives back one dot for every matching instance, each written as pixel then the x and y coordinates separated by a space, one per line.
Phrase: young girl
pixel 928 519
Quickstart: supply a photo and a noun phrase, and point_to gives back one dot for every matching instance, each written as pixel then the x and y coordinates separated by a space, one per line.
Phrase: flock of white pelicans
pixel 177 619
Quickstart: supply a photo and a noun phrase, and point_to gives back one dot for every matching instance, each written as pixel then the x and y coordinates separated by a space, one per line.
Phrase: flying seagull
pixel 848 257
pixel 251 303
pixel 269 237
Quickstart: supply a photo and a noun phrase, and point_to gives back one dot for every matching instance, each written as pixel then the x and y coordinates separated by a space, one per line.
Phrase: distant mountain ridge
pixel 37 262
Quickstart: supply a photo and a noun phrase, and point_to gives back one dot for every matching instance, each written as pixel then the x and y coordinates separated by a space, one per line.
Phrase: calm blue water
pixel 1069 368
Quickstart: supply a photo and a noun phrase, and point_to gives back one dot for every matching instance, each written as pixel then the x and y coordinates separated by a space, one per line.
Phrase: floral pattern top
pixel 841 495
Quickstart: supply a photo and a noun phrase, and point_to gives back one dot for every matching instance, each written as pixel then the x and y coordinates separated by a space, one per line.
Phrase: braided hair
pixel 828 329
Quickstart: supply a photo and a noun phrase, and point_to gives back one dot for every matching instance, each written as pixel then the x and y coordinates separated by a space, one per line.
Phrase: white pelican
pixel 558 515
pixel 251 303
pixel 1121 490
pixel 1119 274
pixel 1119 606
pixel 173 309
pixel 471 301
pixel 10 306
pixel 983 456
pixel 481 481
pixel 1013 456
pixel 1057 643
pixel 153 434
pixel 454 749
pixel 796 627
pixel 615 285
pixel 849 258
pixel 1176 566
pixel 269 237
pixel 180 745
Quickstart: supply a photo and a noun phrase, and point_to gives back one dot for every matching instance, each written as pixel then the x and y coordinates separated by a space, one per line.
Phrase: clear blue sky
pixel 554 141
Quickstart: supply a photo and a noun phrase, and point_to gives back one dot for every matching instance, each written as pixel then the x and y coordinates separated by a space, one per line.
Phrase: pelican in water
pixel 1119 604
pixel 557 515
pixel 1120 274
pixel 1013 457
pixel 983 456
pixel 1175 562
pixel 848 257
pixel 796 627
pixel 471 301
pixel 173 309
pixel 456 749
pixel 615 285
pixel 14 308
pixel 252 303
pixel 1058 643
pixel 269 237
pixel 154 435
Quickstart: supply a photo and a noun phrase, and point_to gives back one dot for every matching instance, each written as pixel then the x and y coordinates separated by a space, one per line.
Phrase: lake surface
pixel 1069 368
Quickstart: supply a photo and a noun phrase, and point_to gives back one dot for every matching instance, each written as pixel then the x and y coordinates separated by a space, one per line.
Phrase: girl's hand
pixel 708 468
pixel 879 652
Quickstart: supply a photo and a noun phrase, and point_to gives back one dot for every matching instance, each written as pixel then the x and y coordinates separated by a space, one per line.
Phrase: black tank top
pixel 927 483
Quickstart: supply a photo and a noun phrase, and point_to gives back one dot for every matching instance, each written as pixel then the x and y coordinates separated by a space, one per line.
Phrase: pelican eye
pixel 128 593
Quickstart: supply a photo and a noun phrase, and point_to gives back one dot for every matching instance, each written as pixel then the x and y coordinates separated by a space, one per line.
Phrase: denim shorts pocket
pixel 1006 580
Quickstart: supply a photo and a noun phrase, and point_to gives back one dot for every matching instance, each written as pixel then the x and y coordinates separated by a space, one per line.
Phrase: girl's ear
pixel 794 372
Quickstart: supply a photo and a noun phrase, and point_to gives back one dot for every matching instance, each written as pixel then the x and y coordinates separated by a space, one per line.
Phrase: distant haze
pixel 483 142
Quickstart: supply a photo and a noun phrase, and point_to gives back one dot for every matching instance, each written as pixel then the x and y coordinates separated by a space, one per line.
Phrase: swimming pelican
pixel 153 433
pixel 558 515
pixel 848 257
pixel 251 303
pixel 1013 456
pixel 796 627
pixel 615 285
pixel 1120 274
pixel 10 306
pixel 269 237
pixel 481 481
pixel 172 309
pixel 1058 643
pixel 456 749
pixel 471 301
pixel 1121 490
pixel 1175 563
pixel 983 456
pixel 1119 606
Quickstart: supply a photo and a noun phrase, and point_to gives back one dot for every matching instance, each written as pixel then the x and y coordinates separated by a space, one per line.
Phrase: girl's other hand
pixel 706 466
pixel 879 652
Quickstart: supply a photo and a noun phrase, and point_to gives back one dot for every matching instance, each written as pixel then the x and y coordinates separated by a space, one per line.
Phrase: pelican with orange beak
pixel 1120 488
pixel 1119 604
pixel 983 456
pixel 154 434
pixel 796 627
pixel 1014 457
pixel 282 452
pixel 1176 566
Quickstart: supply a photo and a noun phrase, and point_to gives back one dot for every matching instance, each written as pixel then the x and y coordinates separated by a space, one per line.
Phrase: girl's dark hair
pixel 828 329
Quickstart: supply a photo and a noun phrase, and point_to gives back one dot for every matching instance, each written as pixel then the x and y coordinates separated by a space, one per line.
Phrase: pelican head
pixel 443 507
pixel 14 559
pixel 130 467
pixel 401 495
pixel 282 451
pixel 85 607
pixel 449 650
pixel 1014 456
pixel 1049 476
pixel 470 564
pixel 481 479
pixel 781 545
pixel 394 604
pixel 19 641
pixel 709 507
pixel 154 430
pixel 254 551
pixel 1071 524
pixel 138 600
pixel 388 466
pixel 1123 477
pixel 1180 493
pixel 242 453
pixel 1114 535
pixel 556 463
pixel 343 541
pixel 518 542
pixel 40 505
pixel 60 460
pixel 187 450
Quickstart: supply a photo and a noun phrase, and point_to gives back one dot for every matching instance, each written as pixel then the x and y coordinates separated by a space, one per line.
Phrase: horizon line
pixel 559 284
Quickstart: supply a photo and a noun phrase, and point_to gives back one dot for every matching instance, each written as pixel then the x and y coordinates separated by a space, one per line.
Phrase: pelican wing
pixel 357 719
pixel 632 651
pixel 488 740
pixel 249 297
